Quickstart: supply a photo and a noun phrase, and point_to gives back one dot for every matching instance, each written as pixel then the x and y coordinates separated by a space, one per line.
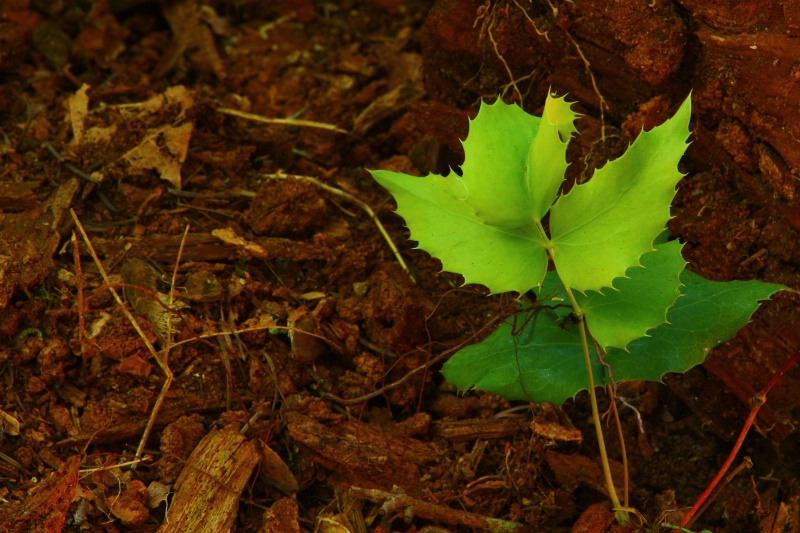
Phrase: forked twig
pixel 757 402
pixel 162 362
pixel 503 59
pixel 603 105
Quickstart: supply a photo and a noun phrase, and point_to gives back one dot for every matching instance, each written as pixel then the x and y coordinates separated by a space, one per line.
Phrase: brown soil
pixel 297 386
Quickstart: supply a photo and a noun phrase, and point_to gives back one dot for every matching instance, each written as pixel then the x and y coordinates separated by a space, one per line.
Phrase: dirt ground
pixel 219 148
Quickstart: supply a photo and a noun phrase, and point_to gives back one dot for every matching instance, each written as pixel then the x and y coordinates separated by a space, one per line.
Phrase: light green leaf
pixel 495 154
pixel 544 362
pixel 601 228
pixel 485 223
pixel 446 227
pixel 548 154
pixel 637 303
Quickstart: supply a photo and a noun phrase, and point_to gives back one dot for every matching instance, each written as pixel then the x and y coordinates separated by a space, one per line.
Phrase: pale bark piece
pixel 78 109
pixel 164 150
pixel 556 432
pixel 210 486
pixel 228 236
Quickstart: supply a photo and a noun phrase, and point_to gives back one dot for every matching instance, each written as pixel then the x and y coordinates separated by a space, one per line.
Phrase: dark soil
pixel 297 387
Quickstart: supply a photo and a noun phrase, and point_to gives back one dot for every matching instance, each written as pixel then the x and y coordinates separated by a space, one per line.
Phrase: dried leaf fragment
pixel 8 424
pixel 164 150
pixel 78 109
pixel 228 236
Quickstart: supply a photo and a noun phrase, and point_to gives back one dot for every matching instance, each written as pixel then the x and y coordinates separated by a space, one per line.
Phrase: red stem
pixel 758 400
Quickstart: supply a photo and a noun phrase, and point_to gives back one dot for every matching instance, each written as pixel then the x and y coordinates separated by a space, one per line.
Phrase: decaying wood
pixel 29 240
pixel 782 521
pixel 123 424
pixel 597 518
pixel 282 517
pixel 366 454
pixel 47 506
pixel 276 472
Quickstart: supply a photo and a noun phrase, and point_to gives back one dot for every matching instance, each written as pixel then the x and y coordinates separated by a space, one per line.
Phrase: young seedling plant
pixel 619 284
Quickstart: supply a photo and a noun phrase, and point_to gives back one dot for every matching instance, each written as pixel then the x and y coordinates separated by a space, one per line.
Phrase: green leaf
pixel 637 303
pixel 548 154
pixel 495 155
pixel 601 228
pixel 544 362
pixel 447 228
pixel 709 313
pixel 485 224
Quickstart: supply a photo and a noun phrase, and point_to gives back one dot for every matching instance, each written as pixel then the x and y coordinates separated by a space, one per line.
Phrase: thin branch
pixel 282 121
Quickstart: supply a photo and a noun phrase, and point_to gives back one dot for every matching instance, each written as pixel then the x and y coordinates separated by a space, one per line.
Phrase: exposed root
pixel 541 33
pixel 603 105
pixel 487 15
pixel 602 100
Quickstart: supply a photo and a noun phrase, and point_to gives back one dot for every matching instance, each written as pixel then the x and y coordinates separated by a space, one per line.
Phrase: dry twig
pixel 283 121
pixel 161 361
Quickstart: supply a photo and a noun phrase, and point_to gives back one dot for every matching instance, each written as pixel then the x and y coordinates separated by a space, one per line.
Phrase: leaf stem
pixel 622 514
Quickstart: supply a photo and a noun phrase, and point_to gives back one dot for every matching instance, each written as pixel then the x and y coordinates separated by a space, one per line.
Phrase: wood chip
pixel 477 428
pixel 217 471
pixel 556 432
